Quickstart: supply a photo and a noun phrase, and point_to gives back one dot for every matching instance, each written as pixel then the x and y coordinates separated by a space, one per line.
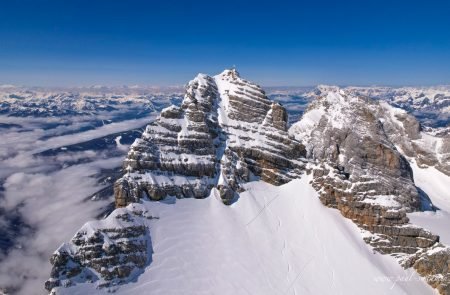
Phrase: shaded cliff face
pixel 346 133
pixel 355 147
pixel 429 146
pixel 225 133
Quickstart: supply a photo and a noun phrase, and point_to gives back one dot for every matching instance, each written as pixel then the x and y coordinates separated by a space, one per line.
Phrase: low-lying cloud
pixel 49 195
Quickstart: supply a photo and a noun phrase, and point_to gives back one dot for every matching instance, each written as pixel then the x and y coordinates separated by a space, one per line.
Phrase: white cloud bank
pixel 51 199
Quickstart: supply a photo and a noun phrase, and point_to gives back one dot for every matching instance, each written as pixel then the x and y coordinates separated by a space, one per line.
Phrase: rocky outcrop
pixel 108 252
pixel 225 133
pixel 176 155
pixel 429 148
pixel 434 266
pixel 358 170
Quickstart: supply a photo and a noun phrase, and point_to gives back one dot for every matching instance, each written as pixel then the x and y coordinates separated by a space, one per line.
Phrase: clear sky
pixel 111 42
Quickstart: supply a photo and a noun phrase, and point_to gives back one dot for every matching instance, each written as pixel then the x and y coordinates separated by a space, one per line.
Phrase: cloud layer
pixel 49 194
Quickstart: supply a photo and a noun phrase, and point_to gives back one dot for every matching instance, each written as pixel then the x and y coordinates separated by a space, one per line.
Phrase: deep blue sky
pixel 271 42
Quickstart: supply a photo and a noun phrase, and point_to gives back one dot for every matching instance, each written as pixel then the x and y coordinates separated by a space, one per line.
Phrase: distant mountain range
pixel 431 105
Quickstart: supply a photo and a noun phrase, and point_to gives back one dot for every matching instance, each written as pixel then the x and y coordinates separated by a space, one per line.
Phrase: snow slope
pixel 437 186
pixel 274 240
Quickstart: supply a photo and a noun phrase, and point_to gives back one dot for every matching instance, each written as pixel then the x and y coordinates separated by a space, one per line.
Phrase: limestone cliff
pixel 355 145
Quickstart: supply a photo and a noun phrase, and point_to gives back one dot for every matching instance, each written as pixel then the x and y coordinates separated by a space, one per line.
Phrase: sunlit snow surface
pixel 273 240
pixel 437 186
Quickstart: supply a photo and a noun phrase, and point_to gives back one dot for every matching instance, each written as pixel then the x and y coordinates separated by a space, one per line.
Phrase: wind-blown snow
pixel 274 240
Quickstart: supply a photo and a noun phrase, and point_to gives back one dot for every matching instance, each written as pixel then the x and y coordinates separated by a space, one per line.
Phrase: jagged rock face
pixel 225 132
pixel 429 149
pixel 176 155
pixel 435 267
pixel 108 252
pixel 428 146
pixel 355 155
pixel 358 169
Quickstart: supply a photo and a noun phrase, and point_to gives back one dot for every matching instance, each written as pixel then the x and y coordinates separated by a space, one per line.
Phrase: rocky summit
pixel 355 151
pixel 226 132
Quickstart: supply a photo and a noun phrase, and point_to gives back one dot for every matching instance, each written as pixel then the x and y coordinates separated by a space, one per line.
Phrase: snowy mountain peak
pixel 229 144
pixel 225 133
pixel 347 109
pixel 230 74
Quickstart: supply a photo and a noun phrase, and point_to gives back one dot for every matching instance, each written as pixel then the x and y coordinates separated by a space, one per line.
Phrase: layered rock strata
pixel 430 147
pixel 107 252
pixel 225 133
